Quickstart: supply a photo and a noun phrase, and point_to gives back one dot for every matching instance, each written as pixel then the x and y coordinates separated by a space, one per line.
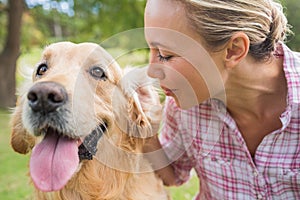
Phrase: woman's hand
pixel 151 106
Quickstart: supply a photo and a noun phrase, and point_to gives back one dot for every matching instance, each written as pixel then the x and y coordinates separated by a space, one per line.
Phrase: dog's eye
pixel 41 70
pixel 97 73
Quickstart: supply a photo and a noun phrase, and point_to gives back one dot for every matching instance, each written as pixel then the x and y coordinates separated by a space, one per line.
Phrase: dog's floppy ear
pixel 21 141
pixel 143 108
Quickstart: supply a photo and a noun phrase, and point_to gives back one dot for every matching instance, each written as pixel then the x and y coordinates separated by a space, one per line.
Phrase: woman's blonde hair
pixel 217 20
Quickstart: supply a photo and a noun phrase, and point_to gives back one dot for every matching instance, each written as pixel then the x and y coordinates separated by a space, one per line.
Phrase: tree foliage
pixel 87 20
pixel 96 20
pixel 292 8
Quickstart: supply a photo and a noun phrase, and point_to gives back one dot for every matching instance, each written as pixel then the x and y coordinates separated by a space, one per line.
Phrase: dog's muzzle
pixel 45 98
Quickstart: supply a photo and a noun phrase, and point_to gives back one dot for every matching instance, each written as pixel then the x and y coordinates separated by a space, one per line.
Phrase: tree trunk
pixel 10 54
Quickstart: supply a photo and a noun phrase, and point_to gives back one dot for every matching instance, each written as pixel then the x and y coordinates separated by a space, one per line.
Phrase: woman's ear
pixel 236 49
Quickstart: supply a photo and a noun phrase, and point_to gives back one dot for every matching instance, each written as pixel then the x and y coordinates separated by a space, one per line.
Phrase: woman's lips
pixel 168 92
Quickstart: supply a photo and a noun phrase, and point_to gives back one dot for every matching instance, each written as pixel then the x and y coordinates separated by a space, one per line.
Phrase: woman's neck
pixel 256 89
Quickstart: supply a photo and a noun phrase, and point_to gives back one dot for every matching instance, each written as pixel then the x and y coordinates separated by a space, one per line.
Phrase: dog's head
pixel 77 95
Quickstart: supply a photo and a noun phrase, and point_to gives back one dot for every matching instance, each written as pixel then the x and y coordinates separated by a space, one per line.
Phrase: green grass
pixel 187 191
pixel 14 183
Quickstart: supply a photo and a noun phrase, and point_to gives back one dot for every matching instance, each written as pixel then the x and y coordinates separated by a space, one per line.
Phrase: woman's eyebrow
pixel 157 44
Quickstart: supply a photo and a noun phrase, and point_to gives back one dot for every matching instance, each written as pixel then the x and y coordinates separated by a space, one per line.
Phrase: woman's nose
pixel 156 71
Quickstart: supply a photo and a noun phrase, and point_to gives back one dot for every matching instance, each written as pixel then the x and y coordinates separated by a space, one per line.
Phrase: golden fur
pixel 117 171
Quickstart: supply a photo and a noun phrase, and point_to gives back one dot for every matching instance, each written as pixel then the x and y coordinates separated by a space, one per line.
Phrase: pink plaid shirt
pixel 207 139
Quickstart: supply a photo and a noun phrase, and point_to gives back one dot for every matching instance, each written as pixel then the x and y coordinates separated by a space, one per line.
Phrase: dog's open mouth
pixel 54 160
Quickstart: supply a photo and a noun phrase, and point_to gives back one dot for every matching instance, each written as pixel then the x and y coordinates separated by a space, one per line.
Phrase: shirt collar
pixel 291 68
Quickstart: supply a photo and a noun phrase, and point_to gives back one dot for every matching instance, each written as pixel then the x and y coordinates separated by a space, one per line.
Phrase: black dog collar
pixel 88 148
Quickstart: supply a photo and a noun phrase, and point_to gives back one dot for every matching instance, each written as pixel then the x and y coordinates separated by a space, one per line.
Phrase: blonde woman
pixel 233 91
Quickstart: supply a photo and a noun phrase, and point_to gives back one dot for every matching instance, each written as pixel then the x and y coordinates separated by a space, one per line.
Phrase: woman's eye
pixel 98 73
pixel 41 70
pixel 164 58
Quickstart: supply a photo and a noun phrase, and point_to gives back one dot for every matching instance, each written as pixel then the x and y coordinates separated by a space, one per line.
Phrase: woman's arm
pixel 159 161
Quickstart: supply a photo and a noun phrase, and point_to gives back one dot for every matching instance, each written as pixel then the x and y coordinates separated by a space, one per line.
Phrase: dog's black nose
pixel 46 97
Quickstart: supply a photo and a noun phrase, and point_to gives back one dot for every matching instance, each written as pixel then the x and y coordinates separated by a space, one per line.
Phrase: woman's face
pixel 185 70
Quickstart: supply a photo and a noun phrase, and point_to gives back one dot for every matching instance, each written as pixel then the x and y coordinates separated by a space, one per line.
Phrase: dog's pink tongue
pixel 53 162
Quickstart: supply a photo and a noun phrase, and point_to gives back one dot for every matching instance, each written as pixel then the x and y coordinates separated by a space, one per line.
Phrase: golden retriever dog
pixel 84 125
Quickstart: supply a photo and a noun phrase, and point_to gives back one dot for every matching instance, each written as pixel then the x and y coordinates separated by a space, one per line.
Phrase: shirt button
pixel 255 173
pixel 259 196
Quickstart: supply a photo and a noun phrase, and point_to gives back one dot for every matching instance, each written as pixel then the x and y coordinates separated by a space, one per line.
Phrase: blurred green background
pixel 47 21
